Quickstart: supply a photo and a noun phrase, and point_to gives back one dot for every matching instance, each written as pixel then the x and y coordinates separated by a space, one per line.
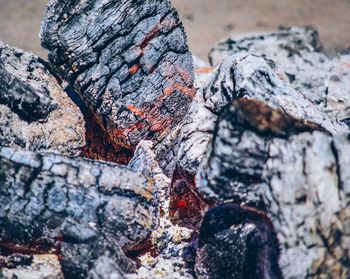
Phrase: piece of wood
pixel 128 60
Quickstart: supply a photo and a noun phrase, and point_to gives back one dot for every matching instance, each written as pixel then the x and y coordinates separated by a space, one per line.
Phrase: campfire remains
pixel 121 158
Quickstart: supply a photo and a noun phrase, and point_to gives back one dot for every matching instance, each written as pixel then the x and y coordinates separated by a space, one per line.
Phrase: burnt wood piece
pixel 324 79
pixel 233 165
pixel 128 60
pixel 28 266
pixel 248 77
pixel 294 171
pixel 307 192
pixel 75 208
pixel 278 152
pixel 35 113
pixel 237 242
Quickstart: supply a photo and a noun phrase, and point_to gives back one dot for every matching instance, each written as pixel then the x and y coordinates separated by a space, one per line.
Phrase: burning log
pixel 128 60
pixel 35 113
pixel 77 209
pixel 247 178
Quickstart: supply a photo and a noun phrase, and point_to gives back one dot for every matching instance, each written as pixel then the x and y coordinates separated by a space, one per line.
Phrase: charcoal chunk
pixel 323 78
pixel 237 242
pixel 35 113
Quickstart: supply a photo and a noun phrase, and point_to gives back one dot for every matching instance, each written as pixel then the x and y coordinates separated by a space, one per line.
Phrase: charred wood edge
pixel 99 144
pixel 268 121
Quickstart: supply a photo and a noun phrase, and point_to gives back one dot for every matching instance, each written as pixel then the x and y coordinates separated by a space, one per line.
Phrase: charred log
pixel 78 209
pixel 249 77
pixel 233 166
pixel 127 59
pixel 266 154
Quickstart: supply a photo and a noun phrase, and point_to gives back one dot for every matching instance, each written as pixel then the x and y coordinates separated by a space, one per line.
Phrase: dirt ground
pixel 206 21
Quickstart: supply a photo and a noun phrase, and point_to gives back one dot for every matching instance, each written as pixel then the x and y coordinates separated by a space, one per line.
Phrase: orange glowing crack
pixel 205 70
pixel 134 69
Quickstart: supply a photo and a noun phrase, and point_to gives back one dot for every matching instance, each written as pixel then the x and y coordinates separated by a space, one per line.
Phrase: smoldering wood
pixel 260 152
pixel 253 108
pixel 290 168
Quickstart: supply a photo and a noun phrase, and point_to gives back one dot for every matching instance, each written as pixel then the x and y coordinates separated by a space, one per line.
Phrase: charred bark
pixel 281 154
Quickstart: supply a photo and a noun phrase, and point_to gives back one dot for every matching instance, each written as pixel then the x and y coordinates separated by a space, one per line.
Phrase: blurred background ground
pixel 206 21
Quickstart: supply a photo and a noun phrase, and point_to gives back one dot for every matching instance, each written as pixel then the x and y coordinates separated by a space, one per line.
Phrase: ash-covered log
pixel 307 192
pixel 75 208
pixel 233 166
pixel 128 60
pixel 35 113
pixel 256 148
pixel 323 78
pixel 249 77
pixel 283 155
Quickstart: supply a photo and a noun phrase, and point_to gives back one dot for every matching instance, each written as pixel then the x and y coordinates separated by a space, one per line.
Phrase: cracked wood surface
pixel 249 77
pixel 128 60
pixel 279 153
